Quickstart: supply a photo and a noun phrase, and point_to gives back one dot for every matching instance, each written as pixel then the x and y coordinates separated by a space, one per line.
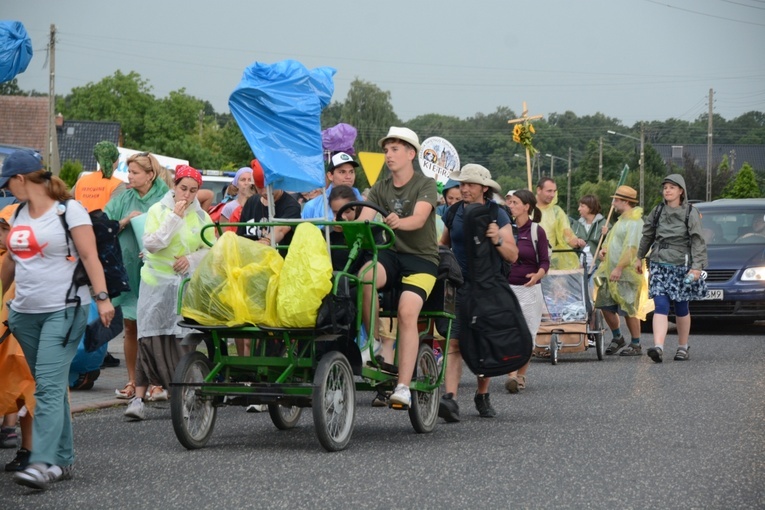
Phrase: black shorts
pixel 415 273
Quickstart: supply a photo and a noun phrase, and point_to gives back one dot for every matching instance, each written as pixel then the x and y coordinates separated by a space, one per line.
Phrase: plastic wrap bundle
pixel 236 283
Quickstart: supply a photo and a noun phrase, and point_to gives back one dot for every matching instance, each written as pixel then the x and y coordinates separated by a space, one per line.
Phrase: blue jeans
pixel 42 336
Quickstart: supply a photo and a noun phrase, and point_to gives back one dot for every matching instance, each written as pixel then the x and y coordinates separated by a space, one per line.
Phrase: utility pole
pixel 568 191
pixel 600 159
pixel 201 122
pixel 53 162
pixel 709 148
pixel 642 164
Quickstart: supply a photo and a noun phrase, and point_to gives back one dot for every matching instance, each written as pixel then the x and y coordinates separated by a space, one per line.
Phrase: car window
pixel 733 227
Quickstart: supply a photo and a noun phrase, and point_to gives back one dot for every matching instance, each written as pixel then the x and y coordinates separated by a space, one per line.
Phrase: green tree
pixel 369 110
pixel 70 170
pixel 124 98
pixel 744 185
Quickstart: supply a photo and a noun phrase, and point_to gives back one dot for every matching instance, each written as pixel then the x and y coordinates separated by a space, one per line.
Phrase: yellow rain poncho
pixel 559 233
pixel 630 292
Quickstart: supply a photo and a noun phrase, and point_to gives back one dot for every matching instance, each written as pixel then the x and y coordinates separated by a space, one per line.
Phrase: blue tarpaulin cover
pixel 15 50
pixel 278 108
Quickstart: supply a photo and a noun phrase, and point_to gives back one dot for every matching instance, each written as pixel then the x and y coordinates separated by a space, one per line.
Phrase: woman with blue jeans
pixel 672 232
pixel 48 314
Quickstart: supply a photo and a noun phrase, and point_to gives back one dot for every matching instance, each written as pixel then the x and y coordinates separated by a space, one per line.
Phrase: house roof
pixel 76 139
pixel 737 155
pixel 24 121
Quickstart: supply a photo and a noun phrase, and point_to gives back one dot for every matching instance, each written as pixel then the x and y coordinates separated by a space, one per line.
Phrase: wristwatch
pixel 101 296
pixel 499 243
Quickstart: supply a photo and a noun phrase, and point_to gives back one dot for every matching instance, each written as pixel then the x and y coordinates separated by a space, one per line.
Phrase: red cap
pixel 257 174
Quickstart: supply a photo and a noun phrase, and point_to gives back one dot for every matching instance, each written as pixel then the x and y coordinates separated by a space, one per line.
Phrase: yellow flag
pixel 372 163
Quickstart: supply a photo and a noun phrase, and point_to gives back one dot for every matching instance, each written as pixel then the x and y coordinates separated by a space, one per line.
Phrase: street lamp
pixel 642 158
pixel 568 187
pixel 552 163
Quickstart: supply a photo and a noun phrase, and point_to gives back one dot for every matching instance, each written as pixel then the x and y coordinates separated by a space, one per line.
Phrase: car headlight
pixel 753 274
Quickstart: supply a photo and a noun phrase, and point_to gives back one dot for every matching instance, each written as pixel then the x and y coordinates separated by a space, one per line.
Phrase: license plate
pixel 714 294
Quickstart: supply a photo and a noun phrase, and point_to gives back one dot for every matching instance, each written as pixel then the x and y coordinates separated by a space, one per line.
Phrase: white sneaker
pixel 401 396
pixel 135 410
pixel 256 408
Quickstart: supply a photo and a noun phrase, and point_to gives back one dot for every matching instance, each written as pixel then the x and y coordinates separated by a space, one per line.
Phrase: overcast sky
pixel 635 60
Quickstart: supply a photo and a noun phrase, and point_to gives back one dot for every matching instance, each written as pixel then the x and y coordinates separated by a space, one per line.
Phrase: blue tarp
pixel 278 108
pixel 15 50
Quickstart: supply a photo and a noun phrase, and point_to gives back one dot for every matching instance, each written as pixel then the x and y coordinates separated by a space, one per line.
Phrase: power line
pixel 705 14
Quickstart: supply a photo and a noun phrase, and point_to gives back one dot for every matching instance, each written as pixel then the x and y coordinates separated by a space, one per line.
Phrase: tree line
pixel 187 127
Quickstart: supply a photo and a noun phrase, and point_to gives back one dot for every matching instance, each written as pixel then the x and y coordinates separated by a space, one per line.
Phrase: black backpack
pixel 494 337
pixel 451 212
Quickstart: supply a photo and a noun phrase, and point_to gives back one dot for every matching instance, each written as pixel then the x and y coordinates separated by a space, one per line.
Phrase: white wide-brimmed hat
pixel 401 133
pixel 476 174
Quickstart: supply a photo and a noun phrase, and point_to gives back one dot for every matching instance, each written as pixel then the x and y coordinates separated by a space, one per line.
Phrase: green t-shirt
pixel 423 242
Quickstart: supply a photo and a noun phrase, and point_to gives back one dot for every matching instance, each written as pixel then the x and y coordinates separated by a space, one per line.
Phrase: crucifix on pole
pixel 526 142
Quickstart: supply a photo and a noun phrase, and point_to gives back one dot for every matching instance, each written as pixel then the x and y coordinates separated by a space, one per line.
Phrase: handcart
pixel 293 368
pixel 570 323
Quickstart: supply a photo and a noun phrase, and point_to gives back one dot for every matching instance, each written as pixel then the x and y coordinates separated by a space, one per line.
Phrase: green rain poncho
pixel 118 208
pixel 630 292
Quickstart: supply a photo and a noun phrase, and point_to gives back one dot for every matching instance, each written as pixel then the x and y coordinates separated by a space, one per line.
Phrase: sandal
pixel 156 393
pixel 126 393
pixel 542 354
pixel 615 345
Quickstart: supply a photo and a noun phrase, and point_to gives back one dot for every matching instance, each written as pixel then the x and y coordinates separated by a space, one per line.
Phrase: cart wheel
pixel 193 414
pixel 423 413
pixel 284 417
pixel 334 401
pixel 554 348
pixel 600 341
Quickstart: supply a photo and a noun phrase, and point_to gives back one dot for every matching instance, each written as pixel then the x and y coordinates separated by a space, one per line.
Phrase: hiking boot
pixel 401 396
pixel 448 409
pixel 85 381
pixel 135 410
pixel 632 350
pixel 483 406
pixel 20 462
pixel 656 353
pixel 682 354
pixel 8 437
pixel 616 344
pixel 380 400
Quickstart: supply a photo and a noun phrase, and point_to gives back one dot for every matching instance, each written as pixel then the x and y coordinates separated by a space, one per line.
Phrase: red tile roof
pixel 24 121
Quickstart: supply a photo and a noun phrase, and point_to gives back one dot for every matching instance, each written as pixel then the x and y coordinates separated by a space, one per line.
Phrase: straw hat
pixel 626 193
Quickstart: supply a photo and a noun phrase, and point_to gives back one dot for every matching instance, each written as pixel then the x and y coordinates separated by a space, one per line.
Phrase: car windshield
pixel 733 227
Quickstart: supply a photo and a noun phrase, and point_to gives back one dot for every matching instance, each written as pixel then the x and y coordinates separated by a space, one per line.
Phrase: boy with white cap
pixel 341 171
pixel 410 200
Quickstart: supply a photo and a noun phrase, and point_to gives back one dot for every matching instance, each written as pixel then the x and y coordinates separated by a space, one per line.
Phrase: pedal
pixel 397 406
pixel 383 366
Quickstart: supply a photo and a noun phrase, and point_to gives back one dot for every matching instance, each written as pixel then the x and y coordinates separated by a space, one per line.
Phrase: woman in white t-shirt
pixel 48 314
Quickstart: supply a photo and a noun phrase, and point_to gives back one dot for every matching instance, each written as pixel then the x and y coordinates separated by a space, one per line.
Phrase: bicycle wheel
pixel 423 413
pixel 284 417
pixel 193 414
pixel 334 401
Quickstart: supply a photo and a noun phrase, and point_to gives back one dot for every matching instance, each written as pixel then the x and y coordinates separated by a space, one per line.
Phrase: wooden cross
pixel 525 118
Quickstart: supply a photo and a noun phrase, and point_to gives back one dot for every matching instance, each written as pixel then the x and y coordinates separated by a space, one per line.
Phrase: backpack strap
pixel 451 212
pixel 535 239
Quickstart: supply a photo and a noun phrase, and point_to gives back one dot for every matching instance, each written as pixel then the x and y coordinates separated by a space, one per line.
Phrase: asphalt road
pixel 619 433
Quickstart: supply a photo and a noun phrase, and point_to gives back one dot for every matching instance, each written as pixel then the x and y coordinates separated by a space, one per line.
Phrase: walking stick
pixel 622 180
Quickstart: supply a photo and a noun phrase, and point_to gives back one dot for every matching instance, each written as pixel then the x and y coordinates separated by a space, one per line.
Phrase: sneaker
pixel 110 361
pixel 655 353
pixel 39 476
pixel 9 438
pixel 20 462
pixel 632 350
pixel 616 344
pixel 483 406
pixel 401 396
pixel 448 409
pixel 135 410
pixel 380 400
pixel 511 385
pixel 682 354
pixel 256 408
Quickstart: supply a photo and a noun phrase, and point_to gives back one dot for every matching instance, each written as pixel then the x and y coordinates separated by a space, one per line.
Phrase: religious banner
pixel 438 159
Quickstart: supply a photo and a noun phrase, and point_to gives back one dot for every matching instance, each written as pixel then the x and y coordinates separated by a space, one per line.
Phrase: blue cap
pixel 19 163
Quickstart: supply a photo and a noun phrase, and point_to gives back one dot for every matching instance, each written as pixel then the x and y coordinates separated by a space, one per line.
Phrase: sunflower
pixel 522 134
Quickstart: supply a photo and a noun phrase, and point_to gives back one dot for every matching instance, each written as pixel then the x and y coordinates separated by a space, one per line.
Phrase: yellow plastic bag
pixel 305 278
pixel 235 284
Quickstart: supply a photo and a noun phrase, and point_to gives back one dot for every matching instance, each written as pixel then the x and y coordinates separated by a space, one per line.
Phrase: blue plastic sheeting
pixel 15 50
pixel 278 108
